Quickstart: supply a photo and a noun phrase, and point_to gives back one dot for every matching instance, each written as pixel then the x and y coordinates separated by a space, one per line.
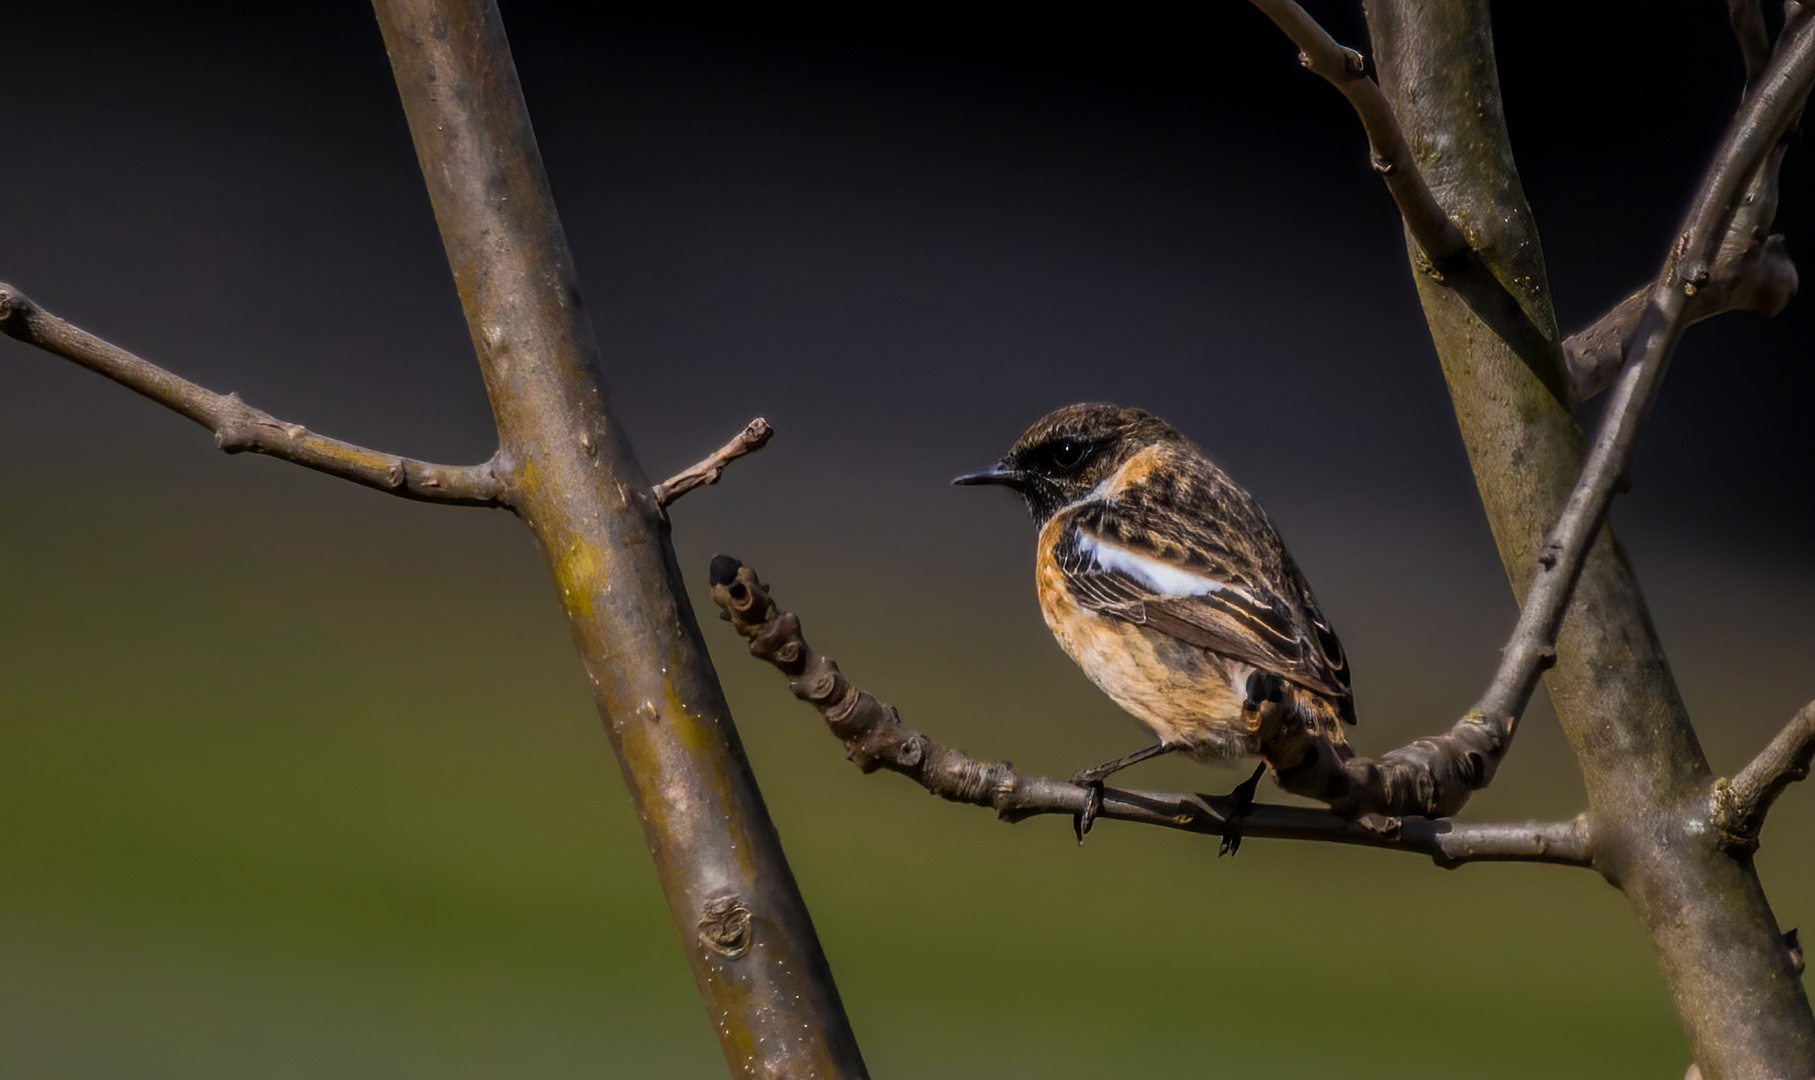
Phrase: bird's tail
pixel 1305 746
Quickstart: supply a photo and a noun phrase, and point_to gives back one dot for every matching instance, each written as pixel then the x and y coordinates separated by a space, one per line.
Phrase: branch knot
pixel 724 926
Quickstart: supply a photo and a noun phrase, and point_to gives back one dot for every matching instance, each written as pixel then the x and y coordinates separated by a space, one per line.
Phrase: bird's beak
pixel 998 474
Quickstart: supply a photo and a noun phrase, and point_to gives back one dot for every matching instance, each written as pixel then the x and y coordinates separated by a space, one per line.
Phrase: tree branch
pixel 745 929
pixel 875 738
pixel 1754 43
pixel 1752 270
pixel 1742 803
pixel 239 427
pixel 1435 776
pixel 1345 69
pixel 754 437
pixel 1709 923
pixel 1760 278
pixel 1449 256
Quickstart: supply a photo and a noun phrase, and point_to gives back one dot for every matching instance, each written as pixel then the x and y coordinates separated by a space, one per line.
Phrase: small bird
pixel 1167 584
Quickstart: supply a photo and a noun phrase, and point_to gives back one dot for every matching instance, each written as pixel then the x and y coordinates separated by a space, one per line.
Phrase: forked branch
pixel 875 738
pixel 1757 276
pixel 1435 776
pixel 239 427
pixel 1345 69
pixel 1741 805
pixel 748 441
pixel 1752 269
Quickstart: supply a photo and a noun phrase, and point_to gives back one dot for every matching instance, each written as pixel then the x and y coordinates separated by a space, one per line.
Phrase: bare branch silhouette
pixel 1463 760
pixel 1752 270
pixel 1346 69
pixel 1761 280
pixel 1448 255
pixel 239 427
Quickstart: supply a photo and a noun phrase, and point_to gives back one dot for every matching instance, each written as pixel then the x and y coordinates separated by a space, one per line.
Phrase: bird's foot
pixel 1085 818
pixel 1091 779
pixel 1241 800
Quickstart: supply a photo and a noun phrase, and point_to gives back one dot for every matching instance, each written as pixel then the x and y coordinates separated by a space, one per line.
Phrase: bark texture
pixel 1649 785
pixel 573 478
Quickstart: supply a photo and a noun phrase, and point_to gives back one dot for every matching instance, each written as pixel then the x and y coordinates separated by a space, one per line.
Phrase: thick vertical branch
pixel 752 946
pixel 1712 930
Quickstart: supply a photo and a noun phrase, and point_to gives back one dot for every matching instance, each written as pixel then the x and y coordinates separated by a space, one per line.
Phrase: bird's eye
pixel 1069 453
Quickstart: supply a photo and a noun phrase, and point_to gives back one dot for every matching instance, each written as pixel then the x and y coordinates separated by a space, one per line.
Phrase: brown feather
pixel 1171 504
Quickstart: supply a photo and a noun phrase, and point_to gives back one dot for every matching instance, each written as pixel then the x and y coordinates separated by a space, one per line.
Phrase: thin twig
pixel 1345 69
pixel 240 427
pixel 748 441
pixel 1742 803
pixel 875 738
pixel 1444 245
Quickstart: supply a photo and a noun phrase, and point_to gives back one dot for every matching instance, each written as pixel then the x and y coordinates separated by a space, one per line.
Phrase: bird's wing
pixel 1203 594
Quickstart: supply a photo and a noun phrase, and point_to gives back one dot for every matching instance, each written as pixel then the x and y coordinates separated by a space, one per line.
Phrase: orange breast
pixel 1184 694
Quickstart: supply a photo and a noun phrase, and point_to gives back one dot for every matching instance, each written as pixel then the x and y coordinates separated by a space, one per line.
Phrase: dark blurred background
pixel 300 780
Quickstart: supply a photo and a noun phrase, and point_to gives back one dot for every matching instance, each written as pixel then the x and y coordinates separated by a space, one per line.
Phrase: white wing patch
pixel 1163 578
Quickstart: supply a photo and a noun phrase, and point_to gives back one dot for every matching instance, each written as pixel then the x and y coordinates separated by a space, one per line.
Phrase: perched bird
pixel 1167 584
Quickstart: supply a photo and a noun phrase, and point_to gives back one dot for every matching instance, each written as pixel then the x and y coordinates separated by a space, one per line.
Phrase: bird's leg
pixel 1241 800
pixel 1264 688
pixel 1092 778
pixel 1265 691
pixel 1098 774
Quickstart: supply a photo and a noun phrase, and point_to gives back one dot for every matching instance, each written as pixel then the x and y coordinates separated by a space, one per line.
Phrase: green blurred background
pixel 298 780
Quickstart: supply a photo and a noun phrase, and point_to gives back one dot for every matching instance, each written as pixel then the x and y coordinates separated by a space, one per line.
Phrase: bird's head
pixel 1067 453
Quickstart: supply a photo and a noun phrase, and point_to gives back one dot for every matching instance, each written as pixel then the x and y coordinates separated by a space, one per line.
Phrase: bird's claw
pixel 1241 800
pixel 1091 779
pixel 1085 818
